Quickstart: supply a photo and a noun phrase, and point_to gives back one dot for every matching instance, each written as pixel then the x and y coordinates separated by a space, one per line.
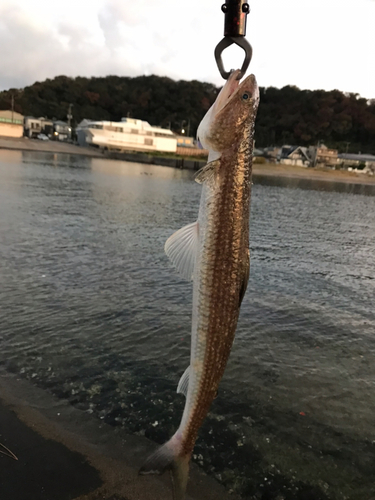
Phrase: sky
pixel 320 44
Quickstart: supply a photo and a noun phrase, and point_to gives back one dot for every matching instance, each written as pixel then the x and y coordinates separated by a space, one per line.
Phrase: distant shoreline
pixel 317 174
pixel 264 169
pixel 24 144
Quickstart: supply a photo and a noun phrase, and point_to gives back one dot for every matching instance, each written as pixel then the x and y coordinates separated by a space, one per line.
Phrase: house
pixel 321 155
pixel 271 153
pixel 295 155
pixel 34 126
pixel 61 131
pixel 11 123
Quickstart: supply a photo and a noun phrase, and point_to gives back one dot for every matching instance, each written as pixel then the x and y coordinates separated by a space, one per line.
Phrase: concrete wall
pixel 157 160
pixel 11 130
pixel 294 161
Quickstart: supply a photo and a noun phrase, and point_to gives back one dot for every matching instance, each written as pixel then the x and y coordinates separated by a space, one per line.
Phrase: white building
pixel 129 134
pixel 35 126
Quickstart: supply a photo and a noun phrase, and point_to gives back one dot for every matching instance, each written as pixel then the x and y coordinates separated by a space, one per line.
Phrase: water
pixel 91 311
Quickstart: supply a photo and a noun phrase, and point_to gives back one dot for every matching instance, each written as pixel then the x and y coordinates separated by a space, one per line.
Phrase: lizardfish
pixel 214 253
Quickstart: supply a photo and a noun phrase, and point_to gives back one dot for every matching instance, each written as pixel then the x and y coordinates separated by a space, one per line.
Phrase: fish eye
pixel 245 96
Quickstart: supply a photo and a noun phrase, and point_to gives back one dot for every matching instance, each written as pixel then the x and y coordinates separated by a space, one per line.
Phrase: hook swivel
pixel 234 32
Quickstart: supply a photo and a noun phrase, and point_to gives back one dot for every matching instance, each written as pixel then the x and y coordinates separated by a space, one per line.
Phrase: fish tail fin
pixel 169 457
pixel 180 475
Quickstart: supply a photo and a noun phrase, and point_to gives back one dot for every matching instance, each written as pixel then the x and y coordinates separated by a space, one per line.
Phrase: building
pixel 363 162
pixel 128 135
pixel 272 154
pixel 35 126
pixel 185 142
pixel 323 156
pixel 61 131
pixel 295 155
pixel 188 146
pixel 11 123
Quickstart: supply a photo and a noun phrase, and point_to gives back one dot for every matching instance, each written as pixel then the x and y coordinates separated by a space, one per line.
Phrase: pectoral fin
pixel 181 249
pixel 245 278
pixel 207 174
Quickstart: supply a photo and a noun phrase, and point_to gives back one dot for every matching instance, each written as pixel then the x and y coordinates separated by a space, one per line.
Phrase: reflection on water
pixel 91 310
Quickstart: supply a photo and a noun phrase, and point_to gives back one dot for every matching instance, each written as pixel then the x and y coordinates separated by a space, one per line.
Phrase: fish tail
pixel 169 457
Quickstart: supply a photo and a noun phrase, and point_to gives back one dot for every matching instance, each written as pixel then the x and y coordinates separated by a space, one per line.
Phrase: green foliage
pixel 304 117
pixel 285 116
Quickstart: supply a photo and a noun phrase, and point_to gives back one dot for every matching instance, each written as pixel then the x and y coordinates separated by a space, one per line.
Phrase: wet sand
pixel 66 453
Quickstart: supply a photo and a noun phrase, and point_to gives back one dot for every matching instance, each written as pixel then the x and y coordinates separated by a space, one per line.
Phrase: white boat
pixel 127 135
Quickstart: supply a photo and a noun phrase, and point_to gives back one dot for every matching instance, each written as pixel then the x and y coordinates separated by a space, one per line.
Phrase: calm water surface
pixel 91 310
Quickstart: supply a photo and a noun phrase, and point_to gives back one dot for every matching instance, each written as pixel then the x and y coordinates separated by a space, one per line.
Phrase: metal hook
pixel 226 42
pixel 234 32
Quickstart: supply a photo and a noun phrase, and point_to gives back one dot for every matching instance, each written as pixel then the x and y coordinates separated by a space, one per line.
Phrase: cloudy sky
pixel 323 44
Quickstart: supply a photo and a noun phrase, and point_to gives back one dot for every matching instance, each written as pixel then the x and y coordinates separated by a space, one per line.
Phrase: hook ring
pixel 226 42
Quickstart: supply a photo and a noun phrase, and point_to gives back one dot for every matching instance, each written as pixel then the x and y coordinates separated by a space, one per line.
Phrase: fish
pixel 214 253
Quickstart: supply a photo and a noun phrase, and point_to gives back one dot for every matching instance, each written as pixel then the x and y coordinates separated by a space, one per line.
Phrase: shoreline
pixel 38 146
pixel 64 452
pixel 262 169
pixel 314 174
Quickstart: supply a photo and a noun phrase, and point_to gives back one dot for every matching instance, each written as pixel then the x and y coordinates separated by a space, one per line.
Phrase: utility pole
pixel 316 154
pixel 70 116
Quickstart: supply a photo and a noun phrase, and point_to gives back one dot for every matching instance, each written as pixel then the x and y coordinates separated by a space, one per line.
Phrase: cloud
pixel 293 43
pixel 29 52
pixel 125 38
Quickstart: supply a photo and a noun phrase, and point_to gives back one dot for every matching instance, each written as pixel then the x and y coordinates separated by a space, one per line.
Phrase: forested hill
pixel 286 116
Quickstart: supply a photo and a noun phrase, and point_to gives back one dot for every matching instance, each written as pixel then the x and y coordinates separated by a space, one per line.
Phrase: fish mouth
pixel 232 86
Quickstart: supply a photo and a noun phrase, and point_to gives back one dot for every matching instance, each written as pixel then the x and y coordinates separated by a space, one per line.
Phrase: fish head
pixel 235 107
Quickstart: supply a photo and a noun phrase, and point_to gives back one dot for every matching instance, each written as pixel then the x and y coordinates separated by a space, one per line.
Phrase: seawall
pixel 187 163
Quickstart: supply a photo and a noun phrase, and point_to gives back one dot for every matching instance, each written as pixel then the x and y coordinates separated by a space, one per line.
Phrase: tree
pixel 285 116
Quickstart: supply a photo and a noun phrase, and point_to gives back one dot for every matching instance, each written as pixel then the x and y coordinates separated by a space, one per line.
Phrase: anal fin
pixel 183 384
